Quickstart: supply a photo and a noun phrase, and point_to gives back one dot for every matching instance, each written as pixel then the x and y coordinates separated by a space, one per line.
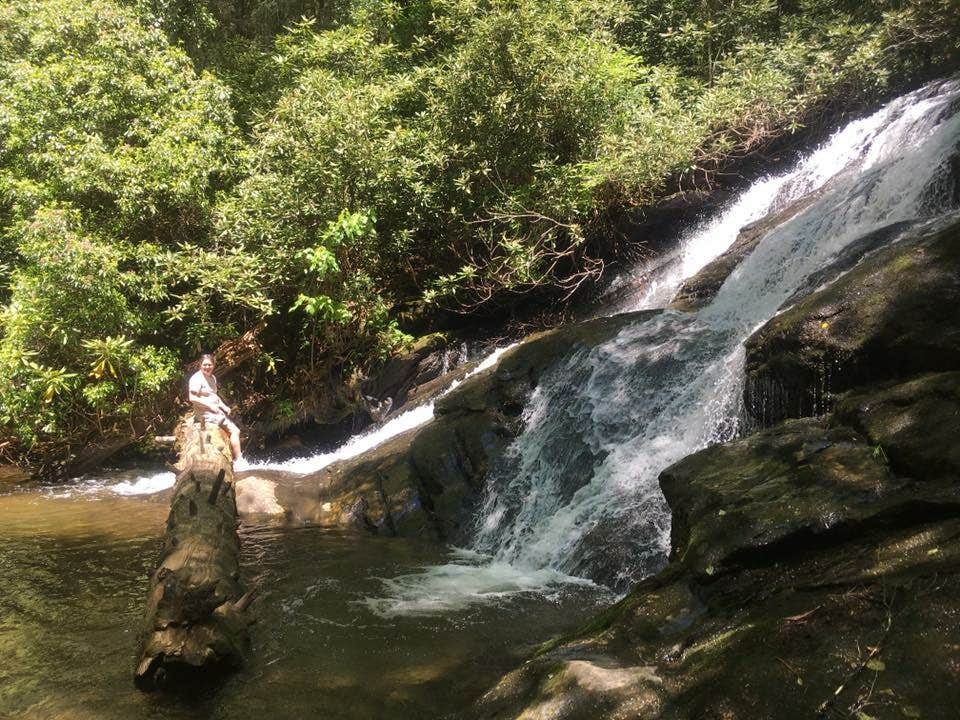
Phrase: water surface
pixel 73 579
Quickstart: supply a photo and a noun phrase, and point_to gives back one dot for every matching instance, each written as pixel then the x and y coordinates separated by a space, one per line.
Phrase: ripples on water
pixel 73 580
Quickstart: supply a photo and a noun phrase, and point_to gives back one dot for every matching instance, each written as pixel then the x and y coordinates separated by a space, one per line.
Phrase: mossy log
pixel 195 625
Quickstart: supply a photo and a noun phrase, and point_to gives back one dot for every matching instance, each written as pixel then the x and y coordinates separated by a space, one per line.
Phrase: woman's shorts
pixel 220 419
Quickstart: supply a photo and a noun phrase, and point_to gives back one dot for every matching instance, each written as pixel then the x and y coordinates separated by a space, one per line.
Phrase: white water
pixel 578 495
pixel 115 482
pixel 125 483
pixel 367 440
pixel 854 146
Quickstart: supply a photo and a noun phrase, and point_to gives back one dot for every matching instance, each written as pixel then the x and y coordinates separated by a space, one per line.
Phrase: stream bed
pixel 73 580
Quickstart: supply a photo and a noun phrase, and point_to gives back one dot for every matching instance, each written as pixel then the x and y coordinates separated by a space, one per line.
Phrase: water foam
pixel 469 577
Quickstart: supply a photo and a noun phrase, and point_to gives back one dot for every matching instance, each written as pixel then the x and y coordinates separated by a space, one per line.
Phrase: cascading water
pixel 577 493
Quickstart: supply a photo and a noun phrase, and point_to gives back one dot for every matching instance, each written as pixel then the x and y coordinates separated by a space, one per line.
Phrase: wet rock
pixel 257 496
pixel 812 576
pixel 732 503
pixel 849 256
pixel 378 491
pixel 327 415
pixel 892 316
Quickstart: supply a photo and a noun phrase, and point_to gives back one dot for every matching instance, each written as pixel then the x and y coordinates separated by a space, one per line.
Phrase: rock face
pixel 429 358
pixel 329 415
pixel 893 315
pixel 425 482
pixel 815 573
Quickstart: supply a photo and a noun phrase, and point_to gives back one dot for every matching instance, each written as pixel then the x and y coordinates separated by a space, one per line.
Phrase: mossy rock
pixel 915 425
pixel 812 576
pixel 785 485
pixel 891 317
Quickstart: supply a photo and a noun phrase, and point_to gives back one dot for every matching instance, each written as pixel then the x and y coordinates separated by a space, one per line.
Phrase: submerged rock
pixel 12 475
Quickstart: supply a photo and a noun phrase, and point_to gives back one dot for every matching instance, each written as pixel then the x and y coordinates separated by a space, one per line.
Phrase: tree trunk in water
pixel 195 625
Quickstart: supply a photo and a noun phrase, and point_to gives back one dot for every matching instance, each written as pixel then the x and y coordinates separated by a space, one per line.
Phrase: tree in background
pixel 176 172
pixel 111 150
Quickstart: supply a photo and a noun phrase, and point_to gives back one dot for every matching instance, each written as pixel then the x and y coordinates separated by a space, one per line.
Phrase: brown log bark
pixel 195 624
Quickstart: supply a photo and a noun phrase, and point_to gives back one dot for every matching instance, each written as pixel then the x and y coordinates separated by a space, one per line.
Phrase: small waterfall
pixel 360 443
pixel 137 483
pixel 577 493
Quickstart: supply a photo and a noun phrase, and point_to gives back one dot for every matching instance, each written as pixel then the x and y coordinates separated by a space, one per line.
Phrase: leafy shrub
pixel 111 152
pixel 67 366
pixel 391 158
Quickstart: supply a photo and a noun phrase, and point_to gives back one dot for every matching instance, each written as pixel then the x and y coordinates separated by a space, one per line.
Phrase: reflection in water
pixel 72 585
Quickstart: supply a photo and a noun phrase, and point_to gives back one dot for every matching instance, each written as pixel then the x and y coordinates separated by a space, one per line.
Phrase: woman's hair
pixel 207 356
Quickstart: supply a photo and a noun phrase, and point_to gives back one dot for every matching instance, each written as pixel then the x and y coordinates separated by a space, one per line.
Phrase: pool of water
pixel 73 578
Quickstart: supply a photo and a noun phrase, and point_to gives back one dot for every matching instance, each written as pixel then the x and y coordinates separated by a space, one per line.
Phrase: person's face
pixel 207 367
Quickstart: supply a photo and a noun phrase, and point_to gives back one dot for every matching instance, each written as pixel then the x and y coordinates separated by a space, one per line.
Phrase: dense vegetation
pixel 174 173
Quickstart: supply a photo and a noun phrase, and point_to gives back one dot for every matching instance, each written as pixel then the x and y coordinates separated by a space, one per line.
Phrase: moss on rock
pixel 893 316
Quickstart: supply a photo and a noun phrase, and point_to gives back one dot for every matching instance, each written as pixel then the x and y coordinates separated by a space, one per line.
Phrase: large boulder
pixel 892 316
pixel 813 575
pixel 914 424
pixel 732 503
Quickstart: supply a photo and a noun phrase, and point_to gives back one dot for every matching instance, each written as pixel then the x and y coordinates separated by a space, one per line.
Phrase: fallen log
pixel 195 624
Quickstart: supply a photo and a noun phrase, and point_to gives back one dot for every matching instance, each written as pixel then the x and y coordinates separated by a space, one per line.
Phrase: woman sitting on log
pixel 202 393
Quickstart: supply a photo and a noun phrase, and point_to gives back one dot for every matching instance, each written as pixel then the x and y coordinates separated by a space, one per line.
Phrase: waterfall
pixel 577 494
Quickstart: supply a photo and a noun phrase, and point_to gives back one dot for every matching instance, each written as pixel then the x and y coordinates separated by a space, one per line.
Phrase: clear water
pixel 73 579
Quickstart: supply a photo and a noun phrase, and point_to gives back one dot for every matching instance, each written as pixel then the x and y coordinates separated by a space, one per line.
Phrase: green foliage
pixel 67 366
pixel 101 112
pixel 475 160
pixel 345 312
pixel 389 157
pixel 111 153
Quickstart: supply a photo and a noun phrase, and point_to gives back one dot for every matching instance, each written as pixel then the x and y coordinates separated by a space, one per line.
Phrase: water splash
pixel 110 483
pixel 468 576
